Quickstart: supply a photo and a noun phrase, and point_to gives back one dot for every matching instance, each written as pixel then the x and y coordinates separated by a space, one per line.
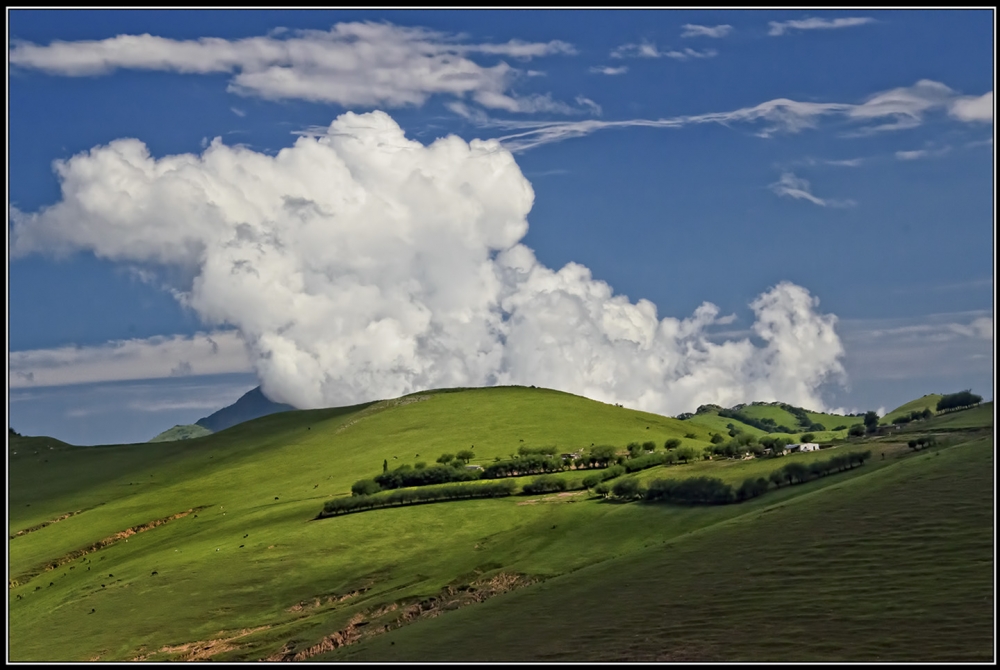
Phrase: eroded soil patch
pixel 203 650
pixel 384 618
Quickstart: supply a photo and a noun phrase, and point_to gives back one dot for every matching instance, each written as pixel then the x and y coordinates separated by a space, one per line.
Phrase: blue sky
pixel 832 168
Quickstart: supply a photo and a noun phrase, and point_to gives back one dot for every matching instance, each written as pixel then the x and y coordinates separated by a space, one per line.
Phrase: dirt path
pixel 46 523
pixel 25 577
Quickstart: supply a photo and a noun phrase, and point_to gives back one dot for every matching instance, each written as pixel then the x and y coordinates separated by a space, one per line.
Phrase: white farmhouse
pixel 805 446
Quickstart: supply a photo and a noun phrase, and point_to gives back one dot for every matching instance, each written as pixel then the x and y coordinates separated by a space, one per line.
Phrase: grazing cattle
pixel 110 575
pixel 275 497
pixel 18 596
pixel 246 536
pixel 102 586
pixel 241 546
pixel 50 583
pixel 92 610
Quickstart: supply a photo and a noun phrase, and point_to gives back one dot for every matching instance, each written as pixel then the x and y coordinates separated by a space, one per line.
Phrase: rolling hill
pixel 208 549
pixel 929 401
pixel 188 432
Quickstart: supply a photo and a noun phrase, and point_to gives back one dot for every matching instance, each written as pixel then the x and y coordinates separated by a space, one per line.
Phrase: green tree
pixel 626 489
pixel 603 454
pixel 445 458
pixel 634 449
pixel 687 453
pixel 673 442
pixel 808 437
pixel 365 487
pixel 871 421
pixel 717 439
pixel 857 430
pixel 465 455
pixel 649 446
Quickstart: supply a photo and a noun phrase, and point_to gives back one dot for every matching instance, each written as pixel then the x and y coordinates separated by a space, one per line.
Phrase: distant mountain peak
pixel 252 405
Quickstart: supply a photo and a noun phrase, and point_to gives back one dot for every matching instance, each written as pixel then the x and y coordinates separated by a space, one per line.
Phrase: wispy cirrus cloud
pixel 897 109
pixel 693 30
pixel 649 50
pixel 157 357
pixel 958 343
pixel 918 154
pixel 352 64
pixel 783 27
pixel 791 186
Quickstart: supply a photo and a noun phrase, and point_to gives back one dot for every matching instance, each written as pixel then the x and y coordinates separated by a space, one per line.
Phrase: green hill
pixel 929 401
pixel 188 432
pixel 821 578
pixel 709 417
pixel 208 548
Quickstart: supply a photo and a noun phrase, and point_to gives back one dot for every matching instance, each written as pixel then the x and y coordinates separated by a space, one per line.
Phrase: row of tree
pixel 545 484
pixel 921 443
pixel 713 491
pixel 360 503
pixel 915 415
pixel 799 473
pixel 959 400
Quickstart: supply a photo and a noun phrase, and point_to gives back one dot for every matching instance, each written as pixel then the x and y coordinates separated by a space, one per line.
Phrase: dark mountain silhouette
pixel 252 405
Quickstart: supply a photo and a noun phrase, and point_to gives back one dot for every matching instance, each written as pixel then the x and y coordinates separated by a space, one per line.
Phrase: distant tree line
pixel 360 503
pixel 915 415
pixel 921 443
pixel 959 400
pixel 713 491
pixel 528 461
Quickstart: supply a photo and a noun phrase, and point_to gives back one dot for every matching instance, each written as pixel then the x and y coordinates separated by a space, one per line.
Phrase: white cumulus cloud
pixel 972 108
pixel 360 264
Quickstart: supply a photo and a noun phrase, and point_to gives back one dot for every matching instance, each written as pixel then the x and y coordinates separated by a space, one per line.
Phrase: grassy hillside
pixel 711 420
pixel 819 578
pixel 929 401
pixel 980 416
pixel 207 548
pixel 187 432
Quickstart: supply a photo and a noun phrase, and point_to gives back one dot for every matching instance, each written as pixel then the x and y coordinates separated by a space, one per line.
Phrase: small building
pixel 473 467
pixel 805 446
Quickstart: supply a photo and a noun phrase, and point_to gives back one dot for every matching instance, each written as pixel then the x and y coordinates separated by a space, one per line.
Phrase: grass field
pixel 242 572
pixel 962 419
pixel 896 565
